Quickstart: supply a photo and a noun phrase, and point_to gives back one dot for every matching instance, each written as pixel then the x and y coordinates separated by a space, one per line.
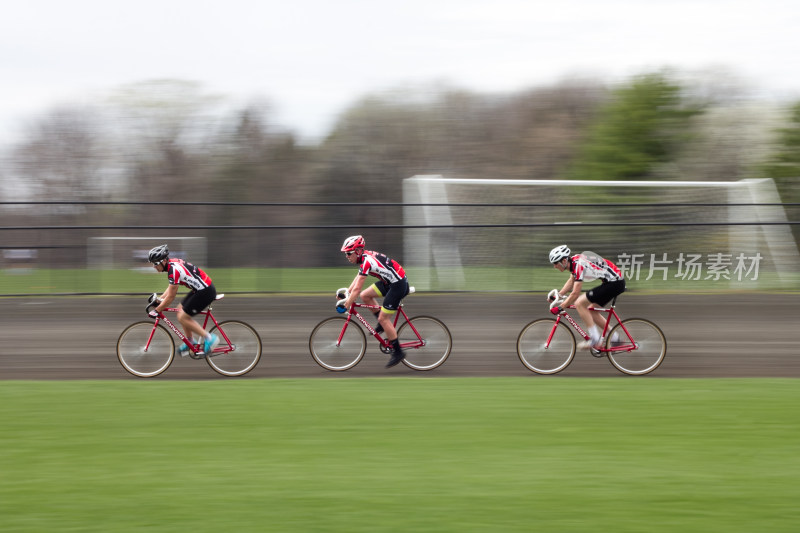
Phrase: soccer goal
pixel 458 227
pixel 131 252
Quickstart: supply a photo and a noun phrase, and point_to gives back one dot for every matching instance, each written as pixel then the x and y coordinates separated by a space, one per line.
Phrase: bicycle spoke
pixel 644 354
pixel 430 348
pixel 141 359
pixel 544 347
pixel 331 353
pixel 241 354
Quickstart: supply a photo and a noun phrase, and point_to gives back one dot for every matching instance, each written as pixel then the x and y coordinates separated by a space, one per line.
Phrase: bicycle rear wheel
pixel 322 343
pixel 641 355
pixel 539 356
pixel 436 342
pixel 240 353
pixel 142 360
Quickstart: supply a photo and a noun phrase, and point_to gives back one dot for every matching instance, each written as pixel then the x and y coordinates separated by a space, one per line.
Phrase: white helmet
pixel 558 253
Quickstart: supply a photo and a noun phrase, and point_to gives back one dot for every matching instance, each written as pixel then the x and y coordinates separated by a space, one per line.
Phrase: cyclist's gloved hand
pixel 556 310
pixel 153 314
pixel 340 308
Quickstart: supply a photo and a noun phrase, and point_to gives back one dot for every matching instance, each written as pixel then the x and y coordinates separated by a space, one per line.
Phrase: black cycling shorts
pixel 196 301
pixel 392 294
pixel 606 292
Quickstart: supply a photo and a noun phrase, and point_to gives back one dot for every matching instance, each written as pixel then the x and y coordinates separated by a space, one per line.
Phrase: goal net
pixel 131 252
pixel 483 234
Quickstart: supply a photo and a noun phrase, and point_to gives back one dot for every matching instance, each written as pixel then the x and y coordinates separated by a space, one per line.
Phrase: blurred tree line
pixel 170 140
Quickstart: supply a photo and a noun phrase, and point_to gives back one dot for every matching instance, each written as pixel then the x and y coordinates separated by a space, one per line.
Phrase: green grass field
pixel 416 454
pixel 324 280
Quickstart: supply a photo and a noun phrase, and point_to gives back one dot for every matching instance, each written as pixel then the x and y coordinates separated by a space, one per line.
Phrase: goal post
pixel 107 253
pixel 434 251
pixel 456 228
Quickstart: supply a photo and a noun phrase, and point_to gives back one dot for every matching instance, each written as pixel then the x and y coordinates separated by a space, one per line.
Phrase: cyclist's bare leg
pixel 600 320
pixel 190 327
pixel 384 319
pixel 368 296
pixel 387 321
pixel 582 304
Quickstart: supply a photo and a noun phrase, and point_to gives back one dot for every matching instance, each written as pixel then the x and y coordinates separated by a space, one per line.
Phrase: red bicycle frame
pixel 621 347
pixel 194 348
pixel 383 342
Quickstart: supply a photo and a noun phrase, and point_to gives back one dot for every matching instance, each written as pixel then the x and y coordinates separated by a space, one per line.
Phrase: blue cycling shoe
pixel 210 344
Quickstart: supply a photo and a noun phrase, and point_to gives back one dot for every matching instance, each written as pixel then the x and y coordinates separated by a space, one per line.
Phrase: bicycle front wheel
pixel 542 353
pixel 332 354
pixel 145 350
pixel 638 351
pixel 430 348
pixel 238 351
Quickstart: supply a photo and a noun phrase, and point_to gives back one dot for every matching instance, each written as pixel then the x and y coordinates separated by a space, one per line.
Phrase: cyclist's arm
pixel 355 289
pixel 167 297
pixel 567 287
pixel 575 290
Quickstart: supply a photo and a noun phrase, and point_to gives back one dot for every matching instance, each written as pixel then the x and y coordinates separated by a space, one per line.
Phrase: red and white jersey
pixel 588 266
pixel 179 272
pixel 380 266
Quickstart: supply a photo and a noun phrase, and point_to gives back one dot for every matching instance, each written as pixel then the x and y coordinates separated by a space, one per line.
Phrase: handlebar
pixel 152 302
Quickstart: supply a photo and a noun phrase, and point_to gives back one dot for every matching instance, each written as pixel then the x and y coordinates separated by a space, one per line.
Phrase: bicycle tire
pixel 240 354
pixel 131 349
pixel 325 351
pixel 436 338
pixel 543 359
pixel 647 351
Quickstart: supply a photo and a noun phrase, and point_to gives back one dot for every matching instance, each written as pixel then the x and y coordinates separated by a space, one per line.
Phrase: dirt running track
pixel 731 335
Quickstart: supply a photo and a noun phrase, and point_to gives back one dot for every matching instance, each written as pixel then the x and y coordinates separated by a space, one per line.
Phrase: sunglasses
pixel 349 253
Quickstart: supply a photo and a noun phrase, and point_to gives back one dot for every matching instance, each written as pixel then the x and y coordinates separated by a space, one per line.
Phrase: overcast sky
pixel 313 58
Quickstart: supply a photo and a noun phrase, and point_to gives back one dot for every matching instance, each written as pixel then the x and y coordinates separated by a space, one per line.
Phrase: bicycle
pixel 338 344
pixel 634 346
pixel 146 349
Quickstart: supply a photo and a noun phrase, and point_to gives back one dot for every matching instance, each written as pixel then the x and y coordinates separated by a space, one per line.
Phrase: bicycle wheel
pixel 240 353
pixel 539 356
pixel 641 356
pixel 436 342
pixel 337 357
pixel 142 360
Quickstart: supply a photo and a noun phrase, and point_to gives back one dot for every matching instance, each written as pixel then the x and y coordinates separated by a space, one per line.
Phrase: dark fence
pixel 306 234
pixel 64 235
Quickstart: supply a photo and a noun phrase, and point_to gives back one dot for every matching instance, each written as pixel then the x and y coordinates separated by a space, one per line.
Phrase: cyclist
pixel 587 266
pixel 202 293
pixel 392 285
